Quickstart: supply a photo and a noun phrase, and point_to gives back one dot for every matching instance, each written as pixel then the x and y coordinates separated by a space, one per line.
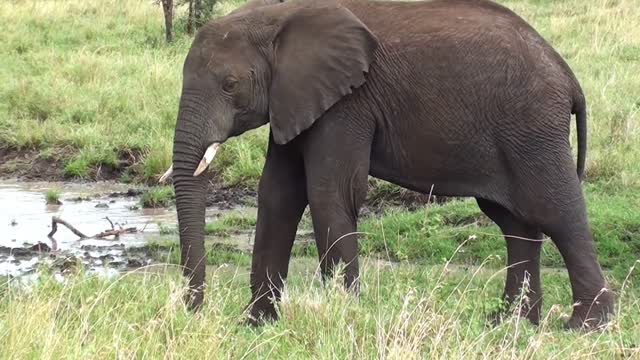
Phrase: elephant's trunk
pixel 190 199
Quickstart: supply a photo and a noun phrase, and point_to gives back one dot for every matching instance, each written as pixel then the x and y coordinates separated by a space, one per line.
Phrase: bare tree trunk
pixel 197 14
pixel 167 7
pixel 190 21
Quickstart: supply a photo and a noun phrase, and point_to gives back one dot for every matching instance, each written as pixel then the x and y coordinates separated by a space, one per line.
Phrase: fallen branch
pixel 115 232
pixel 112 232
pixel 110 222
pixel 54 227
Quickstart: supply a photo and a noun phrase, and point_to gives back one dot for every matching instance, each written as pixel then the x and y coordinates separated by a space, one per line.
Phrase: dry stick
pixel 54 227
pixel 110 222
pixel 113 232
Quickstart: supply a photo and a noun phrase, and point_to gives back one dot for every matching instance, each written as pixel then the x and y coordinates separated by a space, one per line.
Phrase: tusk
pixel 166 174
pixel 207 158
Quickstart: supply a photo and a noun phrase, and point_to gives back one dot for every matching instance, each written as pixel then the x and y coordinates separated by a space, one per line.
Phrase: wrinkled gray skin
pixel 460 95
pixel 252 4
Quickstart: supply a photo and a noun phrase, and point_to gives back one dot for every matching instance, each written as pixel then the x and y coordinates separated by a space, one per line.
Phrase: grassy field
pixel 405 312
pixel 84 83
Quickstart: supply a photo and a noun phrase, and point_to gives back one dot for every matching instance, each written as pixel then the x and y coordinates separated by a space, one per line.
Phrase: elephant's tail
pixel 580 110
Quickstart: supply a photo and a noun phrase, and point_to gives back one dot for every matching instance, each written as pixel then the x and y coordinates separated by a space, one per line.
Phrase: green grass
pixel 433 233
pixel 158 196
pixel 52 197
pixel 230 223
pixel 405 311
pixel 226 225
pixel 168 251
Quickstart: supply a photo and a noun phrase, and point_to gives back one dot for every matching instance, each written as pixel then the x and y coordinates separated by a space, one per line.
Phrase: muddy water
pixel 25 221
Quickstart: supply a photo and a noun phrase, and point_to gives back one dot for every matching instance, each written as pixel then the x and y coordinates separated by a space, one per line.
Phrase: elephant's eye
pixel 229 84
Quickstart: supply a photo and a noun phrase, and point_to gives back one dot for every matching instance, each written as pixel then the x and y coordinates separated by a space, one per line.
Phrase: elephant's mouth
pixel 207 158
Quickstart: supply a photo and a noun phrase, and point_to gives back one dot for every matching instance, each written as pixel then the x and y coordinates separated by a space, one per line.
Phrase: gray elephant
pixel 460 97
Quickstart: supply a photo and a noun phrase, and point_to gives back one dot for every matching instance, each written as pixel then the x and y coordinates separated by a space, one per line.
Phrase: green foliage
pixel 52 197
pixel 167 229
pixel 168 251
pixel 220 254
pixel 159 196
pixel 230 223
pixel 241 159
pixel 434 233
pixel 305 249
pixel 87 159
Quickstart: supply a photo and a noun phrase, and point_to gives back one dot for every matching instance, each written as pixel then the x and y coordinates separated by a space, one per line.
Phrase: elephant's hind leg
pixel 569 229
pixel 547 193
pixel 523 260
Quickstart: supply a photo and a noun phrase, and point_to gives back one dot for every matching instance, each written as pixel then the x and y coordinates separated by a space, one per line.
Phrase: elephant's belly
pixel 449 169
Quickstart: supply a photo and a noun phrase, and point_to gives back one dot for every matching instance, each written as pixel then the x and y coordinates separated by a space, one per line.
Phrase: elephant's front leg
pixel 282 198
pixel 334 223
pixel 337 185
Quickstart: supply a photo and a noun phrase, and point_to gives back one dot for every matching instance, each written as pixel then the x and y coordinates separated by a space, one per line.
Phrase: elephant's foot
pixel 592 314
pixel 194 299
pixel 261 311
pixel 529 309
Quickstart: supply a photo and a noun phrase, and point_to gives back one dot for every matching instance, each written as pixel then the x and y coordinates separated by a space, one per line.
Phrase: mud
pixel 26 164
pixel 406 199
pixel 35 165
pixel 228 197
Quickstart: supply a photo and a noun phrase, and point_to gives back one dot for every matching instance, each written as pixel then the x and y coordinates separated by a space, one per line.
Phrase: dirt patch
pixel 227 197
pixel 26 252
pixel 218 194
pixel 128 193
pixel 376 203
pixel 37 165
pixel 126 159
pixel 30 164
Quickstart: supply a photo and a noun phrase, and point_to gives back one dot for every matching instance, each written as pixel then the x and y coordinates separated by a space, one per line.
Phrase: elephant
pixel 252 4
pixel 458 98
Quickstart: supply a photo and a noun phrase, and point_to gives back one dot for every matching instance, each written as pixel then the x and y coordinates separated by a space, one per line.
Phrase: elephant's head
pixel 285 64
pixel 252 4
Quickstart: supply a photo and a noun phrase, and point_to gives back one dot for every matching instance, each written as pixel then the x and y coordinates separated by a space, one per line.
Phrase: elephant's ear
pixel 320 53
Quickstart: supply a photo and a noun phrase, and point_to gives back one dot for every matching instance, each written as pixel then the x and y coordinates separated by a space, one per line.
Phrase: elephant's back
pixel 405 25
pixel 473 42
pixel 407 22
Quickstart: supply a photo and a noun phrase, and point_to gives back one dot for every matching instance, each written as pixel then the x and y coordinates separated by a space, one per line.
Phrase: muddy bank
pixel 37 165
